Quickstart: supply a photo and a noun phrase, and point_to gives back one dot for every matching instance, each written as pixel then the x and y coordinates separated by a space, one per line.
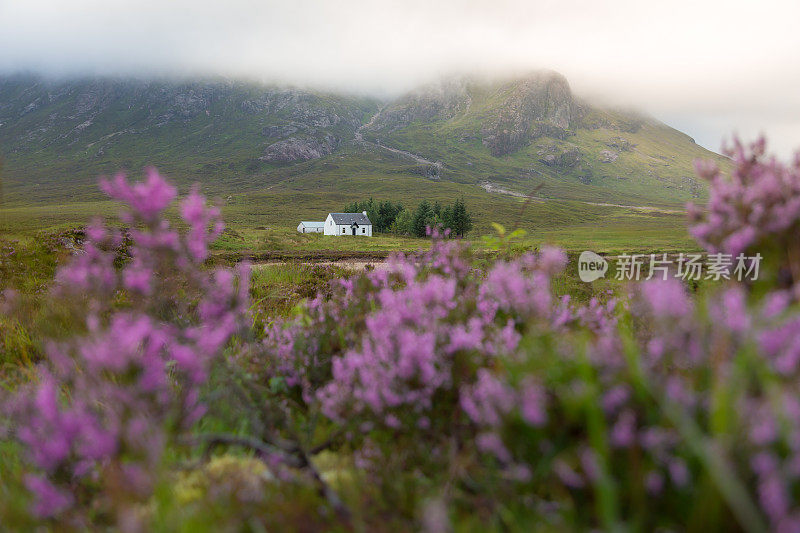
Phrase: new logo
pixel 591 266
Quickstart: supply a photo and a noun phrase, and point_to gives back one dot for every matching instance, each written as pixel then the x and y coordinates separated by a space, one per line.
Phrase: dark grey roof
pixel 350 218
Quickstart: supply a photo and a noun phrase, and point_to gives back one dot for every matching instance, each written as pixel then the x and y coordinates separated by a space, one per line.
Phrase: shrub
pixel 103 406
pixel 440 391
pixel 434 373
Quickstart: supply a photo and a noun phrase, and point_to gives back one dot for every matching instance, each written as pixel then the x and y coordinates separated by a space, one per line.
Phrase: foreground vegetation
pixel 451 388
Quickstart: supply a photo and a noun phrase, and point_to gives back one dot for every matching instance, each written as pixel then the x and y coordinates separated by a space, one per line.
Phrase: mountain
pixel 514 133
pixel 65 131
pixel 493 137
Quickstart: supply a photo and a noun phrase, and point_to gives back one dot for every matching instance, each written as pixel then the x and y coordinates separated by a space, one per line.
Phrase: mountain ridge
pixel 244 136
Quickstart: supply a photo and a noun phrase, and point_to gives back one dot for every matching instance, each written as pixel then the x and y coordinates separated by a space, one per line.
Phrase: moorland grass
pixel 266 220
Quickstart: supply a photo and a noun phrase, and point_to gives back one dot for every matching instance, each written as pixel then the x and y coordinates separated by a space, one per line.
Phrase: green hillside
pixel 519 133
pixel 57 136
pixel 276 155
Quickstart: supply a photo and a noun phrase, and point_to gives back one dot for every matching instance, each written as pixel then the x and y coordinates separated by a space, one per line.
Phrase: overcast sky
pixel 706 67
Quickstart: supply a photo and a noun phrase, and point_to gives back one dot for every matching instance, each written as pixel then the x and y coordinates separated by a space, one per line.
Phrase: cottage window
pixel 363 230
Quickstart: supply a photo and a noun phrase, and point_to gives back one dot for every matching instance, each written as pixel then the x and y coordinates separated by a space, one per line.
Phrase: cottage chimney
pixel 365 213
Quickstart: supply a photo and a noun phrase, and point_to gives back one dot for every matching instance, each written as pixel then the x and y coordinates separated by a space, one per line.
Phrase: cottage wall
pixel 331 228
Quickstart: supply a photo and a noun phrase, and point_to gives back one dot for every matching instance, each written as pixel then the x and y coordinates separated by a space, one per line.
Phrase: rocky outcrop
pixel 553 156
pixel 279 130
pixel 296 149
pixel 431 171
pixel 540 105
pixel 520 110
pixel 608 156
pixel 620 144
pixel 438 101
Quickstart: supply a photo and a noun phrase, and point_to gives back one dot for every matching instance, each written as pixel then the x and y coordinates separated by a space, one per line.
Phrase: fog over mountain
pixel 493 136
pixel 707 68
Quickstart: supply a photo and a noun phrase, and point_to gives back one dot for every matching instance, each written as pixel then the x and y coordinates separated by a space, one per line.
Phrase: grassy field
pixel 265 220
pixel 609 230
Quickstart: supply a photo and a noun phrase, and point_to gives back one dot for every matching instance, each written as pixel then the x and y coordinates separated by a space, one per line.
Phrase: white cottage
pixel 348 224
pixel 310 227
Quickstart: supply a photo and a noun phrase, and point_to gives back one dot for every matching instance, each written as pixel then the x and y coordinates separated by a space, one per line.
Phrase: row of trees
pixel 390 217
pixel 382 214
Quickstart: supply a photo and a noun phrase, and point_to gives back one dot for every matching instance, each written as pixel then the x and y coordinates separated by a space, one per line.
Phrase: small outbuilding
pixel 310 227
pixel 348 224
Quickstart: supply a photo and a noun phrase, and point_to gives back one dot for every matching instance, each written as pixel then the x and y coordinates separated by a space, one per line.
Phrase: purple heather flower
pixel 532 398
pixel 654 483
pixel 567 475
pixel 552 260
pixel 760 199
pixel 50 500
pixel 488 400
pixel 614 398
pixel 623 433
pixel 666 298
pixel 678 472
pixel 773 497
pixel 119 393
pixel 148 198
pixel 775 303
pixel 491 443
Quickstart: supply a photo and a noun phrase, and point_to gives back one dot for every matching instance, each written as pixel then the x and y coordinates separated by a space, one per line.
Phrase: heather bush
pixel 756 208
pixel 449 380
pixel 103 407
pixel 434 374
pixel 445 390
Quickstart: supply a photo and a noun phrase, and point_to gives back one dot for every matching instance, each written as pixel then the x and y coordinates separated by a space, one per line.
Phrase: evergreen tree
pixel 365 205
pixel 404 223
pixel 466 225
pixel 387 213
pixel 422 218
pixel 447 218
pixel 462 220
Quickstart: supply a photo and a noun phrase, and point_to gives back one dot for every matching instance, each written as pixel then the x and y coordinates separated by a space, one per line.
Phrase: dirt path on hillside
pixel 359 136
pixel 370 122
pixel 418 158
pixel 492 188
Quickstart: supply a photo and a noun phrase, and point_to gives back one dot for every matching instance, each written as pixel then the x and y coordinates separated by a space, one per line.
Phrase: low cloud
pixel 707 67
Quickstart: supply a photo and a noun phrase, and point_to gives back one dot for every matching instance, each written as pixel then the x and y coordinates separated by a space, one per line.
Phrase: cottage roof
pixel 308 224
pixel 350 218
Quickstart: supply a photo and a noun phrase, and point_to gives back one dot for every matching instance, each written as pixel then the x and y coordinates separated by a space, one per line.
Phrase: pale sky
pixel 707 67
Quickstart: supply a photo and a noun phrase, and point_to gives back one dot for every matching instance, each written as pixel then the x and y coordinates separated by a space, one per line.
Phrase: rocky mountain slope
pixel 506 136
pixel 534 106
pixel 515 132
pixel 58 130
